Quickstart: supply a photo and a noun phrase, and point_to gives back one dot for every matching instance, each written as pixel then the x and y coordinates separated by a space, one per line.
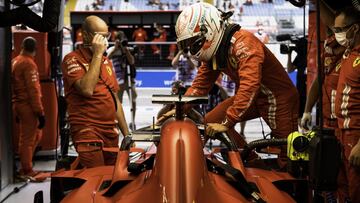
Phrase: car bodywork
pixel 175 169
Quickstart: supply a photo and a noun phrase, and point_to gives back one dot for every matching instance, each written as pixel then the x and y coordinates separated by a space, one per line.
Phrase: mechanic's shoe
pixel 33 176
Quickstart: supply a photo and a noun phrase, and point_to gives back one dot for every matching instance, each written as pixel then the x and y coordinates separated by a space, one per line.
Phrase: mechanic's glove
pixel 213 128
pixel 41 122
pixel 305 120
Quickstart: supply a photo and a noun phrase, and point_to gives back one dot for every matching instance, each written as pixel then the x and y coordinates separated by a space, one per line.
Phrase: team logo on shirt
pixel 233 62
pixel 108 68
pixel 73 67
pixel 70 60
pixel 242 51
pixel 356 62
pixel 327 61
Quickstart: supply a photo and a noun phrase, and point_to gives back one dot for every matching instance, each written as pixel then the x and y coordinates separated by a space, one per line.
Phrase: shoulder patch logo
pixel 108 68
pixel 233 62
pixel 356 62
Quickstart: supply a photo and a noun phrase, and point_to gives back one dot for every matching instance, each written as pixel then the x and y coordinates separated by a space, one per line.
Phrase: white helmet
pixel 201 28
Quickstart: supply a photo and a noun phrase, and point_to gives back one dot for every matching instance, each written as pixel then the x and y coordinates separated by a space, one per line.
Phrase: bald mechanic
pixel 95 112
pixel 27 105
pixel 263 88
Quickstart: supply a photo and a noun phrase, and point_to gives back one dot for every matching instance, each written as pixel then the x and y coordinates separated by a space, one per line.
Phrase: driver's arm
pixel 163 110
pixel 195 116
pixel 203 82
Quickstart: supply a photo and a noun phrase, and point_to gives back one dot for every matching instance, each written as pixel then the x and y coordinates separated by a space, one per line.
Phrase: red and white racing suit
pixel 263 88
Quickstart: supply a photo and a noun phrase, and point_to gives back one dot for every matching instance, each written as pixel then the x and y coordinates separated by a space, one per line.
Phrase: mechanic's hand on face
pixel 354 158
pixel 41 122
pixel 214 128
pixel 165 116
pixel 305 120
pixel 99 45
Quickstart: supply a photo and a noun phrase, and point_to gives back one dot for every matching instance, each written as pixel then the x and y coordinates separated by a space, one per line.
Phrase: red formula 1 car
pixel 176 169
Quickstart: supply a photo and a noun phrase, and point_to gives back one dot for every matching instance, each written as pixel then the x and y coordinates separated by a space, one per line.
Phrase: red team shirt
pixel 26 83
pixel 347 104
pixel 99 109
pixel 139 35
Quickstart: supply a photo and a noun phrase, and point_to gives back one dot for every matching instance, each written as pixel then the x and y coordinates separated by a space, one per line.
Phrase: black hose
pixel 15 190
pixel 261 144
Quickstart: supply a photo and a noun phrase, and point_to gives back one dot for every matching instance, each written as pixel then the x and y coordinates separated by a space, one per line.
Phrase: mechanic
pixel 28 106
pixel 95 112
pixel 332 57
pixel 347 109
pixel 140 35
pixel 263 88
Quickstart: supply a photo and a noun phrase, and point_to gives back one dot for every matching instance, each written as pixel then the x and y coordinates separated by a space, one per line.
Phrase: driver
pixel 263 88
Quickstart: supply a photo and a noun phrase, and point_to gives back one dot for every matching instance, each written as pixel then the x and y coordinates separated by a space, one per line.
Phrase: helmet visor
pixel 194 44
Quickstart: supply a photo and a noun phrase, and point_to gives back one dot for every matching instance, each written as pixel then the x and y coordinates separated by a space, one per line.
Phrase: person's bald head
pixel 28 45
pixel 93 24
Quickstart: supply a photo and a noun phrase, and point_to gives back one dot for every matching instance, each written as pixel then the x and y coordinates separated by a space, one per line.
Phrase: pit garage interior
pixel 173 161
